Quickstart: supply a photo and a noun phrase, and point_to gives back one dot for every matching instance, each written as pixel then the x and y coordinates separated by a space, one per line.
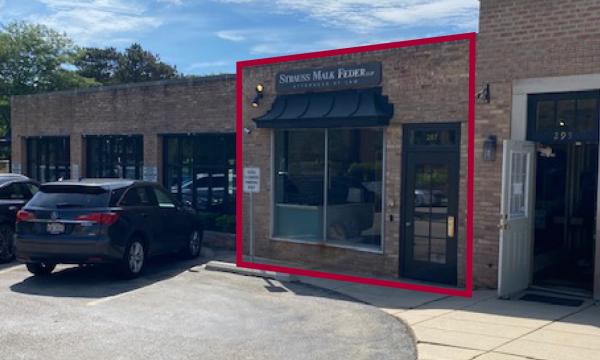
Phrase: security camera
pixel 247 130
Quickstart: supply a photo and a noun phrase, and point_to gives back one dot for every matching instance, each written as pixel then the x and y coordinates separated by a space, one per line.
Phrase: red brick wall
pixel 200 105
pixel 425 84
pixel 521 39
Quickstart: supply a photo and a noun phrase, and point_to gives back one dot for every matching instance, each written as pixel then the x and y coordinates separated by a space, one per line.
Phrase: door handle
pixel 451 226
pixel 503 223
pixel 13 208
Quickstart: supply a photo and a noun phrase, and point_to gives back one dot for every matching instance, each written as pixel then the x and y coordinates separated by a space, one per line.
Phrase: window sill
pixel 330 244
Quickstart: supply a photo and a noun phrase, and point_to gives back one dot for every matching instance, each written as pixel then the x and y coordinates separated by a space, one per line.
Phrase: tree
pixel 34 58
pixel 108 66
pixel 98 64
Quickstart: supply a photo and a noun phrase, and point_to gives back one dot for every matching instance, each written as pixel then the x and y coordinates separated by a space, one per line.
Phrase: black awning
pixel 345 108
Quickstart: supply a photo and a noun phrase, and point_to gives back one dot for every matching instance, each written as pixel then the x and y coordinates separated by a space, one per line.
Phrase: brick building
pixel 179 133
pixel 329 137
pixel 368 176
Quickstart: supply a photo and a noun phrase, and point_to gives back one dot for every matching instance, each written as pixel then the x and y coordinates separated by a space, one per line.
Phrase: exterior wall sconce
pixel 484 96
pixel 489 148
pixel 260 88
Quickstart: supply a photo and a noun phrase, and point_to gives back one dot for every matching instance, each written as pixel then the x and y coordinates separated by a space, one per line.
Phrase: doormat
pixel 553 300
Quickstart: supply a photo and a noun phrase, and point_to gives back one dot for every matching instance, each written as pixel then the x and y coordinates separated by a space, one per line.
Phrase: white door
pixel 516 223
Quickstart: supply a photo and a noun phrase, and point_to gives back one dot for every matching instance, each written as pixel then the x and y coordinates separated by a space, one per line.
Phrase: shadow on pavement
pixel 100 281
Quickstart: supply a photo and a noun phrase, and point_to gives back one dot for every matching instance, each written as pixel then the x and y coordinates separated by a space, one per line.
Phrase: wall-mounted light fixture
pixel 484 96
pixel 489 148
pixel 247 130
pixel 260 88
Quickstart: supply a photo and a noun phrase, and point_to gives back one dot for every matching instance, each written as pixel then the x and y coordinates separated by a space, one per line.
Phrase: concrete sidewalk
pixel 484 327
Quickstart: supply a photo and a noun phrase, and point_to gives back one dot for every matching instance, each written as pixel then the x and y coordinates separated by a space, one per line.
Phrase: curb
pixel 228 267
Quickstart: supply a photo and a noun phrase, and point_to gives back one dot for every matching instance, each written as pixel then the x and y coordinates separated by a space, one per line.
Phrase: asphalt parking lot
pixel 178 310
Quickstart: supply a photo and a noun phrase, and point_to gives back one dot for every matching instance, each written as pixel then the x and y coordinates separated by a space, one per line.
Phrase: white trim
pixel 518 125
pixel 325 186
pixel 383 189
pixel 329 244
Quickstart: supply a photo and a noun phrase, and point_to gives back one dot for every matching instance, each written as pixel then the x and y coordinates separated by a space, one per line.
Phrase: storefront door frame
pixel 520 90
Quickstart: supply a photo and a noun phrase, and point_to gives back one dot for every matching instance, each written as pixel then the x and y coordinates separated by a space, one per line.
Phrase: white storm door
pixel 517 212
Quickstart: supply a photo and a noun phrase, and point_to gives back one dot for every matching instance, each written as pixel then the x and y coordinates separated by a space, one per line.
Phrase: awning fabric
pixel 345 108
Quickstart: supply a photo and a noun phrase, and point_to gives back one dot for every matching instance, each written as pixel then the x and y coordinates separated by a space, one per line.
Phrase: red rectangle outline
pixel 240 65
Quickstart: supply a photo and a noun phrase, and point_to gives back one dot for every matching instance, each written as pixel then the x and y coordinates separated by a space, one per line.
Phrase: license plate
pixel 55 228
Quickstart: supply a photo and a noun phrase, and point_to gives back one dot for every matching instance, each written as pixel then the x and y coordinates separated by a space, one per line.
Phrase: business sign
pixel 342 76
pixel 251 180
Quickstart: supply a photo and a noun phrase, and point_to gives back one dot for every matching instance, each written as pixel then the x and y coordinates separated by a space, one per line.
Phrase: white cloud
pixel 94 22
pixel 171 2
pixel 232 35
pixel 365 15
pixel 210 64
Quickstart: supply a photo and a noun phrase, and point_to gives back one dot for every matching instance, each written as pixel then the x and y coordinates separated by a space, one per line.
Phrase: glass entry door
pixel 430 203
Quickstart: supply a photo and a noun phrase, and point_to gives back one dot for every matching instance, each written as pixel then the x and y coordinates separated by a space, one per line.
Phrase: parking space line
pixel 106 299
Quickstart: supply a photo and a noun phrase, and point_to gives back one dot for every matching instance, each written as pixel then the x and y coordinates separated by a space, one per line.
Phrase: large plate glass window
pixel 328 186
pixel 199 170
pixel 114 156
pixel 563 117
pixel 48 158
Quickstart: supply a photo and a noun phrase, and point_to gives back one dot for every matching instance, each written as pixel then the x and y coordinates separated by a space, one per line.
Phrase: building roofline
pixel 100 88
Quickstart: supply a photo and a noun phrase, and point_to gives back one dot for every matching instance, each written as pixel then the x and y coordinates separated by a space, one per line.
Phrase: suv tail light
pixel 100 218
pixel 23 215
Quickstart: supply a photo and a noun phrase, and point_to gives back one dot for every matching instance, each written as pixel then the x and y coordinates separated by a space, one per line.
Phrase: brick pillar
pixel 151 157
pixel 18 154
pixel 77 155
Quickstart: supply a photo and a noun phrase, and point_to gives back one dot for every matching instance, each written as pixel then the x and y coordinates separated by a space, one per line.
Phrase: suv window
pixel 15 191
pixel 164 200
pixel 70 196
pixel 138 196
pixel 33 188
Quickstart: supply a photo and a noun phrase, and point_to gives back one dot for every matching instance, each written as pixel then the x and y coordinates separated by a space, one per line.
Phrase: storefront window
pixel 299 176
pixel 354 187
pixel 343 210
pixel 199 170
pixel 114 156
pixel 48 158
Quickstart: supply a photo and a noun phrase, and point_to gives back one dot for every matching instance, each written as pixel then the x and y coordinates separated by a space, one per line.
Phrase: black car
pixel 93 221
pixel 15 191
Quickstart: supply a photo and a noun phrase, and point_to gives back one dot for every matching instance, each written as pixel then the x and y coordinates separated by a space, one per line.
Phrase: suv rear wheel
pixel 134 259
pixel 193 246
pixel 40 269
pixel 7 243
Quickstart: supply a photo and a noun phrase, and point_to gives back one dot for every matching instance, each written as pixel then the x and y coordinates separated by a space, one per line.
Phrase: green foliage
pixel 35 58
pixel 226 223
pixel 218 222
pixel 109 66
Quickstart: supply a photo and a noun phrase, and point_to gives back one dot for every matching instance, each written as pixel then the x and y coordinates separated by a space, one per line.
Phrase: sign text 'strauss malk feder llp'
pixel 343 76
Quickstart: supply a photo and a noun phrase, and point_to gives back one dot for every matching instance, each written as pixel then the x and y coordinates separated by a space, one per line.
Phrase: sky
pixel 207 36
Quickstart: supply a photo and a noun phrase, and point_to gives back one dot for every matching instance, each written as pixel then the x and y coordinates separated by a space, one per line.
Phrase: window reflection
pixel 430 213
pixel 48 158
pixel 354 187
pixel 328 186
pixel 299 176
pixel 114 156
pixel 200 172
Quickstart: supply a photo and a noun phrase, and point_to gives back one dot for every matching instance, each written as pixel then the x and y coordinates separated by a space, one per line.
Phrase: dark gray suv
pixel 103 221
